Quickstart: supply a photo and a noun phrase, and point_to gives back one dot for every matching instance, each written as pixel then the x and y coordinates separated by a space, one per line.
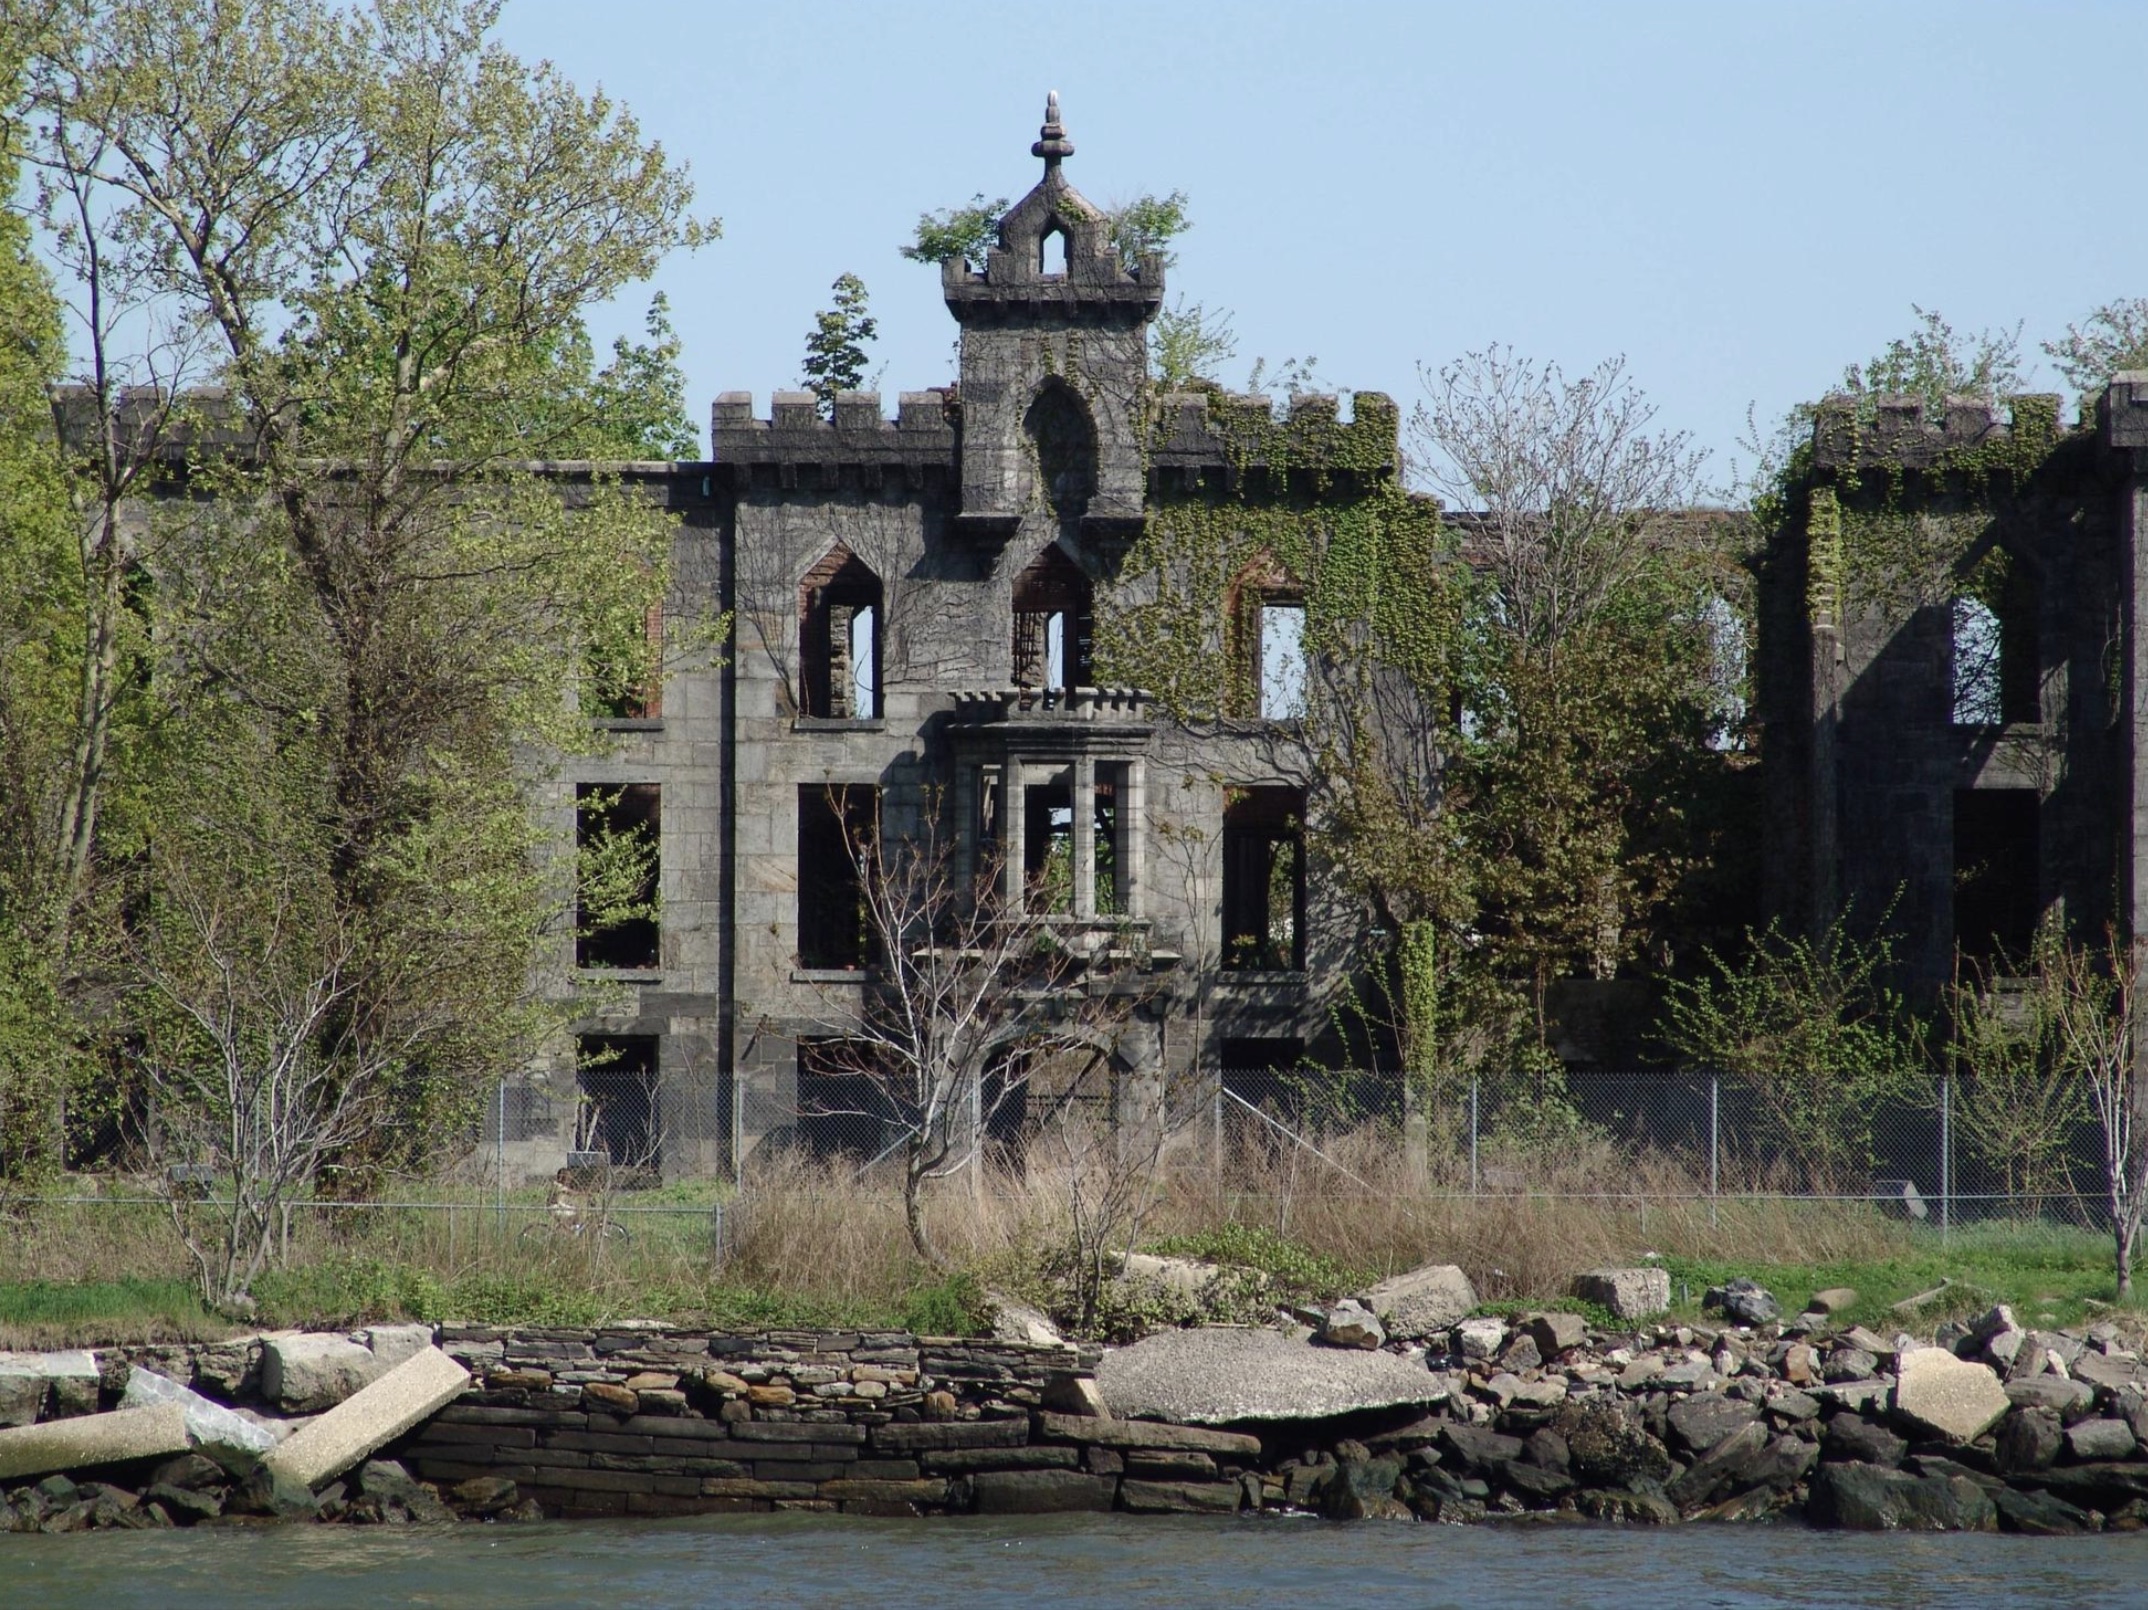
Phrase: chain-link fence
pixel 1952 1150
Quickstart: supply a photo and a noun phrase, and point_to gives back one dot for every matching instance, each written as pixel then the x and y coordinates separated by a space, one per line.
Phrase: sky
pixel 1740 199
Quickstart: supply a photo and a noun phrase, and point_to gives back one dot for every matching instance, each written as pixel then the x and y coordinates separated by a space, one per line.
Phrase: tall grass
pixel 808 1243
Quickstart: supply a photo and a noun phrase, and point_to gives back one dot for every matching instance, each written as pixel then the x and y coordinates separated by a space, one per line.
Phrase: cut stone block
pixel 391 1344
pixel 93 1439
pixel 1628 1293
pixel 306 1373
pixel 416 1388
pixel 209 1424
pixel 29 1380
pixel 1426 1299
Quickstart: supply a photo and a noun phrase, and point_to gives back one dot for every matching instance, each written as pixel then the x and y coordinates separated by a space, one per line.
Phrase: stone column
pixel 1134 839
pixel 966 826
pixel 1013 834
pixel 1084 793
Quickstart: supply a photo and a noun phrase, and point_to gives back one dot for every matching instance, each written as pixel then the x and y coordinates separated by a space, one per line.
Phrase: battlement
pixel 1900 431
pixel 1196 430
pixel 922 433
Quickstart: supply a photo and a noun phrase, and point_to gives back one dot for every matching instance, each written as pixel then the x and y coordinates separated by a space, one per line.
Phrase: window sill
pixel 622 975
pixel 830 975
pixel 1261 977
pixel 627 723
pixel 839 724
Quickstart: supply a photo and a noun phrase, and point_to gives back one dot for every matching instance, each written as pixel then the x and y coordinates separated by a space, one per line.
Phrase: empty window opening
pixel 1264 879
pixel 617 1111
pixel 1997 889
pixel 840 605
pixel 1280 624
pixel 618 842
pixel 1048 850
pixel 1054 623
pixel 1052 252
pixel 1728 659
pixel 1104 819
pixel 837 827
pixel 1996 671
pixel 845 1107
pixel 624 681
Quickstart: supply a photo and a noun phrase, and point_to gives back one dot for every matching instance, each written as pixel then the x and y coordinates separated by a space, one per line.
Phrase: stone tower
pixel 1054 359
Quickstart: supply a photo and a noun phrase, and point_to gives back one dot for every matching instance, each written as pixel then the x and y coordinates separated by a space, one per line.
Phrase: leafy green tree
pixel 1935 362
pixel 379 232
pixel 1189 343
pixel 956 234
pixel 41 625
pixel 2111 339
pixel 1817 1037
pixel 835 347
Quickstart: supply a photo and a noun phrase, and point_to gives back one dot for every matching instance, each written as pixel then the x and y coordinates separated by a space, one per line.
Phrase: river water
pixel 787 1562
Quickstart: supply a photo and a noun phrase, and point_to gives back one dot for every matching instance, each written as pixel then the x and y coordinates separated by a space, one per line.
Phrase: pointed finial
pixel 1054 143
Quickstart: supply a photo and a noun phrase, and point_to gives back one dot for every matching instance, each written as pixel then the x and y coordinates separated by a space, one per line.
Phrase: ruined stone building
pixel 913 602
pixel 1954 679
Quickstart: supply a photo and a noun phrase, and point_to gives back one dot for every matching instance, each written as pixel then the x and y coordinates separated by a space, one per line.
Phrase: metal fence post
pixel 499 1161
pixel 1946 1154
pixel 1715 1148
pixel 1473 1176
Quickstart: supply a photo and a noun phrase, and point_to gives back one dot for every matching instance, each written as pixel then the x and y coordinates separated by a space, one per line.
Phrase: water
pixel 789 1562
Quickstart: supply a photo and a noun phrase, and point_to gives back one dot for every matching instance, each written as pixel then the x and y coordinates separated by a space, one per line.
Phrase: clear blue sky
pixel 1739 198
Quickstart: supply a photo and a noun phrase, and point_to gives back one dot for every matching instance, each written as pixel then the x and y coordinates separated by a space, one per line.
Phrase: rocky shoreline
pixel 1388 1406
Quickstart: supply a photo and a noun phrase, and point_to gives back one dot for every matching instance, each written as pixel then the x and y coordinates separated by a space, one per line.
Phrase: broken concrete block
pixel 1947 1396
pixel 28 1382
pixel 209 1424
pixel 306 1373
pixel 93 1439
pixel 416 1388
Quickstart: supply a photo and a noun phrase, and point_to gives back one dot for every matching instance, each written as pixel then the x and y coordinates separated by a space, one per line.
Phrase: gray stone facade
pixel 911 602
pixel 1952 675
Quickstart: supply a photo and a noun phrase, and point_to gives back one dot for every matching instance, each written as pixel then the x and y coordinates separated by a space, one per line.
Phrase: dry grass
pixel 813 1242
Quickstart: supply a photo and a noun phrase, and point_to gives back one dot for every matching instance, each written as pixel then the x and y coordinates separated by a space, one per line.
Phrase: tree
pixel 1189 343
pixel 1590 668
pixel 2091 991
pixel 1813 1032
pixel 835 346
pixel 2111 339
pixel 2021 1106
pixel 1935 362
pixel 965 997
pixel 378 232
pixel 41 628
pixel 956 234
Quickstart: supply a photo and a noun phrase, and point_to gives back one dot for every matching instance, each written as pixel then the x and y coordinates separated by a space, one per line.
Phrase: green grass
pixel 43 1314
pixel 338 1293
pixel 2050 1276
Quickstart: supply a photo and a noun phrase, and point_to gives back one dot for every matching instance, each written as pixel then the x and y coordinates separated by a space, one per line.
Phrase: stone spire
pixel 1052 143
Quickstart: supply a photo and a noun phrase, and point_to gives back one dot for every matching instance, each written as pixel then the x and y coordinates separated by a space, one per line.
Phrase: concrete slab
pixel 93 1439
pixel 1217 1375
pixel 373 1417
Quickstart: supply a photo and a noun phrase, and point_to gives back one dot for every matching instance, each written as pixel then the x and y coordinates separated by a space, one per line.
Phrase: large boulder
pixel 1414 1305
pixel 1627 1293
pixel 306 1373
pixel 1866 1498
pixel 1221 1374
pixel 1743 1301
pixel 1950 1397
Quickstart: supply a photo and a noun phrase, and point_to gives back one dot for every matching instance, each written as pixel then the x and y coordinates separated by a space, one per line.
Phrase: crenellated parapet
pixel 1904 432
pixel 918 441
pixel 1197 431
